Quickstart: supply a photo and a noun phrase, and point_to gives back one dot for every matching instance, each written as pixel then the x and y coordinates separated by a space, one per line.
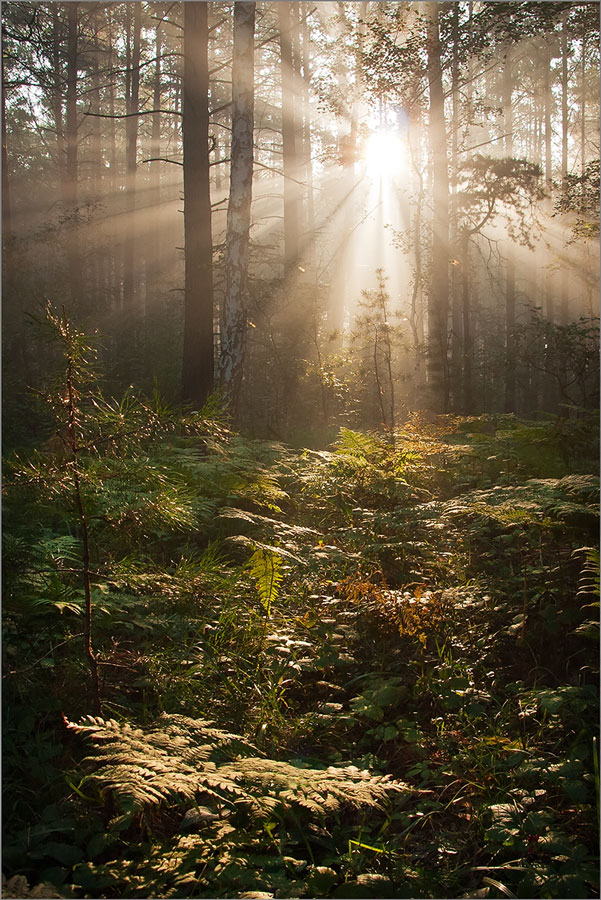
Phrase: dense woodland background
pixel 300 417
pixel 477 198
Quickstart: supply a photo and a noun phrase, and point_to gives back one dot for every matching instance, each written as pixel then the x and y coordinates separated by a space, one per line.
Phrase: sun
pixel 384 155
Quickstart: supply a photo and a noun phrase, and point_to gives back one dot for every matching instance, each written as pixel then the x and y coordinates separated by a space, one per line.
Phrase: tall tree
pixel 198 354
pixel 6 206
pixel 510 348
pixel 438 301
pixel 290 162
pixel 564 298
pixel 235 303
pixel 306 133
pixel 132 98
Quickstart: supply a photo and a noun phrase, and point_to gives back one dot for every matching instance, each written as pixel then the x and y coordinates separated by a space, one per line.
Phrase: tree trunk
pixel 115 259
pixel 583 106
pixel 132 81
pixel 467 328
pixel 7 222
pixel 510 355
pixel 438 301
pixel 548 102
pixel 96 167
pixel 57 102
pixel 197 368
pixel 456 336
pixel 564 298
pixel 291 198
pixel 153 245
pixel 71 138
pixel 309 253
pixel 235 305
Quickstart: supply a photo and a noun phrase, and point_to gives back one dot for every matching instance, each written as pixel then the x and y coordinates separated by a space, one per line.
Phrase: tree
pixel 235 304
pixel 438 298
pixel 509 405
pixel 71 141
pixel 490 187
pixel 132 103
pixel 289 150
pixel 376 336
pixel 197 367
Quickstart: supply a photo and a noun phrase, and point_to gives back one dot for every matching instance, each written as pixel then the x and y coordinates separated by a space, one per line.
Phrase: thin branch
pixel 144 112
pixel 174 162
pixel 38 661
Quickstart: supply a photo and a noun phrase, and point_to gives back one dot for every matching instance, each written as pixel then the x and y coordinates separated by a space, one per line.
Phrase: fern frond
pixel 356 443
pixel 180 758
pixel 266 570
pixel 589 575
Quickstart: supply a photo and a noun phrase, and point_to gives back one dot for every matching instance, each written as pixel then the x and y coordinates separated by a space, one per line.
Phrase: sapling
pixel 98 470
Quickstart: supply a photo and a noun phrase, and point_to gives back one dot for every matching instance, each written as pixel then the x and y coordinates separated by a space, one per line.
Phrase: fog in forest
pixel 423 186
pixel 300 495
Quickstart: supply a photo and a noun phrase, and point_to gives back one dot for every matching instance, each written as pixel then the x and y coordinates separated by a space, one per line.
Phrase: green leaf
pixel 577 791
pixel 66 854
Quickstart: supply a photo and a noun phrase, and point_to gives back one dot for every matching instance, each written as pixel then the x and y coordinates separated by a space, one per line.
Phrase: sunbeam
pixel 385 154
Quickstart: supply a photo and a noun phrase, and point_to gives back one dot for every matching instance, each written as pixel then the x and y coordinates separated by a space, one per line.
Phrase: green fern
pixel 182 758
pixel 589 587
pixel 266 570
pixel 357 444
pixel 539 501
pixel 589 576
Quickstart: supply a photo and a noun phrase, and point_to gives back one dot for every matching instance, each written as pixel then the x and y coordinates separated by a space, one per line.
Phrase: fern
pixel 17 886
pixel 358 444
pixel 539 500
pixel 589 576
pixel 266 570
pixel 183 758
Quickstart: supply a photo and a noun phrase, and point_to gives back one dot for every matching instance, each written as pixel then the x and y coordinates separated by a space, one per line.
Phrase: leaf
pixel 266 569
pixel 66 854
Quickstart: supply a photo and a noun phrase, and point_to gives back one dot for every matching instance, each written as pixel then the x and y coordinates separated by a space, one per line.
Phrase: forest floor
pixel 366 671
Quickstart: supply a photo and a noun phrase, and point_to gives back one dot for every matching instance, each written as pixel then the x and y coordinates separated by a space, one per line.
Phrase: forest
pixel 300 449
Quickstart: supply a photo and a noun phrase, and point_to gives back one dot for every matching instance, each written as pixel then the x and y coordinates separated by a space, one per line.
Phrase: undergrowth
pixel 362 671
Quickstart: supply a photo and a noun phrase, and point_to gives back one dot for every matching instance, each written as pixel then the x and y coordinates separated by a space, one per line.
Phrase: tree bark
pixel 510 354
pixel 71 140
pixel 235 305
pixel 153 245
pixel 57 101
pixel 309 249
pixel 583 105
pixel 548 102
pixel 132 81
pixel 467 327
pixel 438 301
pixel 7 221
pixel 291 198
pixel 456 329
pixel 564 294
pixel 197 367
pixel 96 167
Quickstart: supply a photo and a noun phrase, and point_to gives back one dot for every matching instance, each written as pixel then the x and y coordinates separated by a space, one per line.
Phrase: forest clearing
pixel 300 449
